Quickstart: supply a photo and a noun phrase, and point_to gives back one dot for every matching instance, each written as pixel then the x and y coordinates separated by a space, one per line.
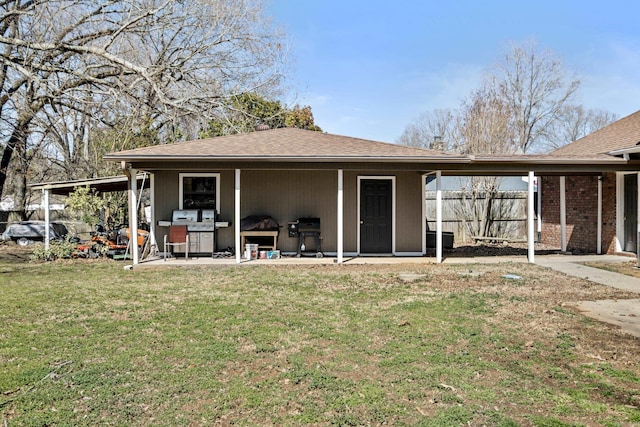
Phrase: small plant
pixel 57 250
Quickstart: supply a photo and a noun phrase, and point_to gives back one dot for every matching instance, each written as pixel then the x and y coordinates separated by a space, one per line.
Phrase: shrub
pixel 57 250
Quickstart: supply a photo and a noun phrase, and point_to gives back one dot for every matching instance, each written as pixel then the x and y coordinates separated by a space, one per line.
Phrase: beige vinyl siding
pixel 167 199
pixel 166 189
pixel 287 195
pixel 409 200
pixel 351 220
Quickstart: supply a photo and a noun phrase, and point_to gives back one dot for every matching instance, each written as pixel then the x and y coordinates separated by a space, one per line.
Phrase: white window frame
pixel 215 175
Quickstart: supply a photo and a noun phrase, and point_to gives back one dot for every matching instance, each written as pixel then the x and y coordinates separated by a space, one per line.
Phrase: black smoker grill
pixel 303 228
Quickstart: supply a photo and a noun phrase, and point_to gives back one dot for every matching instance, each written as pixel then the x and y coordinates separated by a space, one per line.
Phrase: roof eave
pixel 304 159
pixel 552 161
pixel 623 151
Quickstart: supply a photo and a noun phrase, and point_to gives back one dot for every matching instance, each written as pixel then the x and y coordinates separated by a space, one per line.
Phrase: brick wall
pixel 582 212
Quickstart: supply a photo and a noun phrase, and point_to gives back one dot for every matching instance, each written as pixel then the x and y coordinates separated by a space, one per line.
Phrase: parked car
pixel 26 232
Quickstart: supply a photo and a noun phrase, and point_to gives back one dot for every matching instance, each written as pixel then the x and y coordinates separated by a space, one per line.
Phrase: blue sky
pixel 368 68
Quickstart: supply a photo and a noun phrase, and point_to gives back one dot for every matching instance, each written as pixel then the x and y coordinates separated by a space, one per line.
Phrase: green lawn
pixel 88 343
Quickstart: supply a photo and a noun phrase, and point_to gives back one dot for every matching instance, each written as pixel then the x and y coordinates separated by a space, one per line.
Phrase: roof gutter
pixel 550 161
pixel 322 159
pixel 84 182
pixel 624 152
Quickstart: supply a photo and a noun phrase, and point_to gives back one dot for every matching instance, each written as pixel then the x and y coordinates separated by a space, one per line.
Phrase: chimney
pixel 437 143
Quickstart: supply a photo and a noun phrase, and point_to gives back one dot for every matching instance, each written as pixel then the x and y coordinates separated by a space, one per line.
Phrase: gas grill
pixel 188 217
pixel 303 228
pixel 194 219
pixel 201 226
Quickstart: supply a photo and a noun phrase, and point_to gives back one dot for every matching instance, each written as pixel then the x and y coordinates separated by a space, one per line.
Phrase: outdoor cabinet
pixel 206 242
pixel 201 242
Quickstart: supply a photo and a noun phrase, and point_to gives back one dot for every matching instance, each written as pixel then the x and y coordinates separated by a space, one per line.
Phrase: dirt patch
pixel 463 250
pixel 13 253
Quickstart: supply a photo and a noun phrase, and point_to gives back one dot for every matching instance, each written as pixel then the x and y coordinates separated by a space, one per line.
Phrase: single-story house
pixel 369 195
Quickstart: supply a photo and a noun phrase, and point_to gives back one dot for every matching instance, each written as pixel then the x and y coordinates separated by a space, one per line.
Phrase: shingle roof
pixel 284 143
pixel 624 133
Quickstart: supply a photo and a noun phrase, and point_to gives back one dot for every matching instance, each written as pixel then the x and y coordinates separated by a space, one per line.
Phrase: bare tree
pixel 171 62
pixel 537 86
pixel 574 122
pixel 430 130
pixel 524 104
pixel 484 127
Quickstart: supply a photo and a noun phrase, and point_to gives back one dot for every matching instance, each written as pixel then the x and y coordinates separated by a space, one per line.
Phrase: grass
pixel 629 268
pixel 89 343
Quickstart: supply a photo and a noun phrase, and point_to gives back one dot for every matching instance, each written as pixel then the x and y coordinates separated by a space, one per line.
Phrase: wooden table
pixel 259 233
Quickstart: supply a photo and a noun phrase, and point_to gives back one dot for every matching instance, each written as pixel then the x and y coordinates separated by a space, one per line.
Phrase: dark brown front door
pixel 630 212
pixel 376 216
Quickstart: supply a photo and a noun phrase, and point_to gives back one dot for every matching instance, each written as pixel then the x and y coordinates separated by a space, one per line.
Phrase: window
pixel 200 191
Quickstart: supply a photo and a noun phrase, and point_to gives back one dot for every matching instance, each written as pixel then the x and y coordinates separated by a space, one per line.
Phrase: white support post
pixel 133 218
pixel 340 214
pixel 563 215
pixel 47 218
pixel 638 223
pixel 599 225
pixel 539 213
pixel 620 209
pixel 530 220
pixel 237 218
pixel 438 216
pixel 424 214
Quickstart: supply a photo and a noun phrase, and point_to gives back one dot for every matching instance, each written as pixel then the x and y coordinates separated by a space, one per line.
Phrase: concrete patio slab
pixel 624 314
pixel 572 266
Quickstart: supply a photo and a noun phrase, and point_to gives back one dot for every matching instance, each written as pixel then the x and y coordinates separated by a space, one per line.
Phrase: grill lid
pixel 208 215
pixel 184 216
pixel 308 224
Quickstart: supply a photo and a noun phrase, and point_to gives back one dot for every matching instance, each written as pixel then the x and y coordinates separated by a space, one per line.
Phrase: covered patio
pixel 291 173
